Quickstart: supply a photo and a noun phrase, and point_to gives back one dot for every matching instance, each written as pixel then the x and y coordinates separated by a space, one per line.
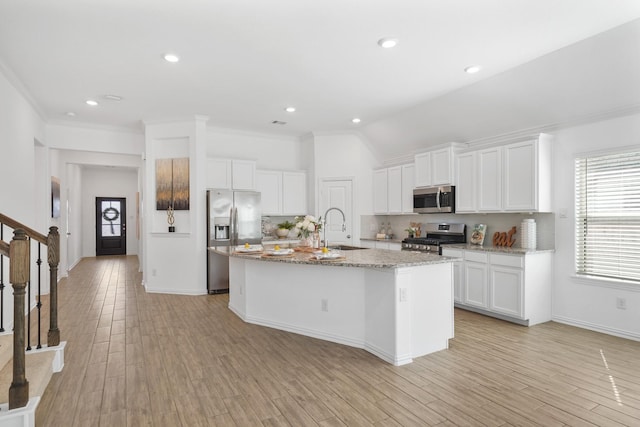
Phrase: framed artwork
pixel 478 233
pixel 172 184
pixel 55 197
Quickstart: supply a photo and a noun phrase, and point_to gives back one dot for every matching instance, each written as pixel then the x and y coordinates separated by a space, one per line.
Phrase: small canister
pixel 528 233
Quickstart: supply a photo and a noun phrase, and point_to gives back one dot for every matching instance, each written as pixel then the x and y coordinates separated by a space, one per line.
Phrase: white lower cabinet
pixel 514 287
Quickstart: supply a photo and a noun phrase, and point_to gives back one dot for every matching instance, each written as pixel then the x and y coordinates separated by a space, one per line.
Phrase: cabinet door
pixel 368 244
pixel 294 193
pixel 243 174
pixel 466 181
pixel 441 166
pixel 506 290
pixel 475 284
pixel 269 184
pixel 408 183
pixel 380 201
pixel 218 173
pixel 422 164
pixel 394 246
pixel 520 177
pixel 394 190
pixel 458 273
pixel 490 179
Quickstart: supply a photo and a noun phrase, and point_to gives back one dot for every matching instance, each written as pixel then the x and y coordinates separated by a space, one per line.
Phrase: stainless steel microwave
pixel 440 199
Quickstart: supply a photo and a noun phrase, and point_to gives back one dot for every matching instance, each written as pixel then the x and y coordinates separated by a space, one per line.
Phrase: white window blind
pixel 608 216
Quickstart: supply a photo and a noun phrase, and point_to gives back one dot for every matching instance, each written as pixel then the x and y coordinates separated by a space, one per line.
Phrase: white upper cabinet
pixel 527 176
pixel 422 164
pixel 490 179
pixel 514 177
pixel 282 192
pixel 408 184
pixel 466 180
pixel 294 193
pixel 233 174
pixel 393 190
pixel 269 184
pixel 380 192
pixel 434 167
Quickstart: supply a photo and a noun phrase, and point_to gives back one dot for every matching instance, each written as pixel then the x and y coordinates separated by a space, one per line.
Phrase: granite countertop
pixel 499 249
pixel 373 239
pixel 366 258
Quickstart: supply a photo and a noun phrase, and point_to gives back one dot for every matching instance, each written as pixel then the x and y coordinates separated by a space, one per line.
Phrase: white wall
pixel 346 155
pixel 108 182
pixel 590 304
pixel 20 127
pixel 270 152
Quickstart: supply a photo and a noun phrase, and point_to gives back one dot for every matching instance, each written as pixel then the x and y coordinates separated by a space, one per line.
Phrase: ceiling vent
pixel 278 122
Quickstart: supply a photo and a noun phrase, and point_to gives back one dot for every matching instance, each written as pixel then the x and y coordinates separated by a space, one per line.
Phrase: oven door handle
pixel 438 198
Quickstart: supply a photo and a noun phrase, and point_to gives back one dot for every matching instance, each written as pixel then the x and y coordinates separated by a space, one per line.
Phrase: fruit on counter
pixel 247 245
pixel 325 250
pixel 276 247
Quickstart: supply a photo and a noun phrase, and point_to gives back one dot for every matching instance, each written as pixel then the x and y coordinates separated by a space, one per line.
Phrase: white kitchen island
pixel 396 305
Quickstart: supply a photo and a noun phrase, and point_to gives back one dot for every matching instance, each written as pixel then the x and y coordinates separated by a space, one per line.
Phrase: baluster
pixel 53 256
pixel 39 303
pixel 28 302
pixel 18 276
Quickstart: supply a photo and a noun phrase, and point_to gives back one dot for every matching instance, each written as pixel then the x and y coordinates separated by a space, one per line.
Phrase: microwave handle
pixel 438 198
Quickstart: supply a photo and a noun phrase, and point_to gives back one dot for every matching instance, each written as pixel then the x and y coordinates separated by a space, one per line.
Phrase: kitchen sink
pixel 346 248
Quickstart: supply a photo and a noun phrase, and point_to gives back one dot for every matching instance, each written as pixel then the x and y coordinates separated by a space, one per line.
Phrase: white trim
pixel 173 291
pixel 603 282
pixel 604 152
pixel 597 328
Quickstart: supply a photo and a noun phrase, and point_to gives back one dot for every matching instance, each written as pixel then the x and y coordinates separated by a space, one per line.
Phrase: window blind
pixel 608 216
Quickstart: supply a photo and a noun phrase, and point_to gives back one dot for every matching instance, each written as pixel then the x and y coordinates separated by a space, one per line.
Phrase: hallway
pixel 138 359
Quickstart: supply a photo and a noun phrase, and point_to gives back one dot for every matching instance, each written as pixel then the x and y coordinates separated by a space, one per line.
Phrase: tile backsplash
pixel 545 224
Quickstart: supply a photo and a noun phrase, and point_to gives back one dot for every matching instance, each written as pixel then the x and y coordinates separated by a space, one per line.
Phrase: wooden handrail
pixel 4 248
pixel 29 231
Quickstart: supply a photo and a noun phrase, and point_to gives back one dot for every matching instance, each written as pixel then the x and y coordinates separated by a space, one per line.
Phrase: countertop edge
pixel 497 249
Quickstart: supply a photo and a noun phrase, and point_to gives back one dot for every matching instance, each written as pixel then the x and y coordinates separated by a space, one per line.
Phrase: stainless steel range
pixel 437 235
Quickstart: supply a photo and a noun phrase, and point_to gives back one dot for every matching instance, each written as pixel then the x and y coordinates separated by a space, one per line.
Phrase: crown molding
pixel 136 129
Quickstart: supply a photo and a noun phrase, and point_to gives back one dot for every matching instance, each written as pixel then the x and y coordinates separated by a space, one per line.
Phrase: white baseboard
pixel 174 291
pixel 19 417
pixel 597 328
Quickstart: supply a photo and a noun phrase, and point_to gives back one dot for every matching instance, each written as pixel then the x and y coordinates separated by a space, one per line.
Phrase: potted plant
pixel 284 228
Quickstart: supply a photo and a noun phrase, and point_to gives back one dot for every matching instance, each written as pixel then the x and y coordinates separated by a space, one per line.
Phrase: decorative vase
pixel 316 240
pixel 282 233
pixel 307 241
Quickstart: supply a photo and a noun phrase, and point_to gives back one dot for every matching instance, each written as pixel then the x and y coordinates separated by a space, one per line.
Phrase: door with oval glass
pixel 111 226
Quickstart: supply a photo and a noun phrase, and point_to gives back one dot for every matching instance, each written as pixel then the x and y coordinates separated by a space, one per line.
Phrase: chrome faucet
pixel 324 224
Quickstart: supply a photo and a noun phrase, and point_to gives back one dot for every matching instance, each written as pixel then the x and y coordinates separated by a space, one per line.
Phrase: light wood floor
pixel 163 360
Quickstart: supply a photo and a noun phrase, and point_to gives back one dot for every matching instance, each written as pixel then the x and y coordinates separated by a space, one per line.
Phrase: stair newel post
pixel 53 257
pixel 19 259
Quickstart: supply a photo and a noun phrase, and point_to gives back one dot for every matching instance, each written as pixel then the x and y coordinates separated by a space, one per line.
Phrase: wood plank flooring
pixel 138 359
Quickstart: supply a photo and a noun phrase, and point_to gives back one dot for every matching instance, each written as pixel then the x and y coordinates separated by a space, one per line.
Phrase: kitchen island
pixel 395 305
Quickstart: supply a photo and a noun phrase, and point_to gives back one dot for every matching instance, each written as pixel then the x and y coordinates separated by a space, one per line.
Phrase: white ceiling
pixel 244 61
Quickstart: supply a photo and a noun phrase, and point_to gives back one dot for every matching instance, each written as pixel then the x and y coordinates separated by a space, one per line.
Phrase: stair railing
pixel 18 251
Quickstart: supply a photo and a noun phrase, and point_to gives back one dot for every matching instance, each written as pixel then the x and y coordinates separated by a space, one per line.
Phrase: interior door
pixel 111 226
pixel 337 193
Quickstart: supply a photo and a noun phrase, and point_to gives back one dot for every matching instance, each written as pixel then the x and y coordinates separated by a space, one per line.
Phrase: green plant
pixel 286 225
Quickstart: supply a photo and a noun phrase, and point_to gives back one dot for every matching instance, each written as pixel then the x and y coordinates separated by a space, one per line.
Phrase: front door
pixel 337 193
pixel 111 226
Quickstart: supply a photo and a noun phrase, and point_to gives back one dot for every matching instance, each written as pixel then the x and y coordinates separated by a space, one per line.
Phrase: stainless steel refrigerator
pixel 233 218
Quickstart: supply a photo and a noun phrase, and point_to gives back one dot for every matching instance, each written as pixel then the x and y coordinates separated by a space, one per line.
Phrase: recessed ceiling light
pixel 170 57
pixel 387 42
pixel 355 120
pixel 70 114
pixel 290 109
pixel 472 69
pixel 113 98
pixel 91 102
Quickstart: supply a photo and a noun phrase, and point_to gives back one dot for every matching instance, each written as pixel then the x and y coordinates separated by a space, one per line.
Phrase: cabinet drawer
pixel 455 253
pixel 475 256
pixel 507 260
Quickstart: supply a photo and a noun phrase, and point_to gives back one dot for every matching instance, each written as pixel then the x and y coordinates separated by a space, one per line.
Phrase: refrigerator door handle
pixel 235 226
